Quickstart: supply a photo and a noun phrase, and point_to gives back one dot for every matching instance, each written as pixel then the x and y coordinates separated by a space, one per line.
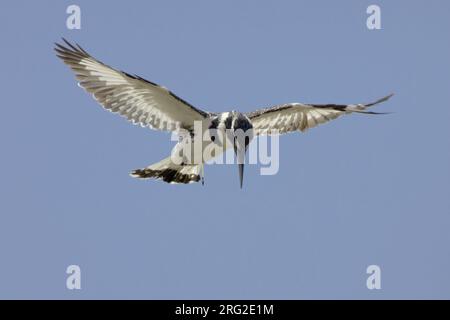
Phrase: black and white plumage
pixel 150 105
pixel 298 116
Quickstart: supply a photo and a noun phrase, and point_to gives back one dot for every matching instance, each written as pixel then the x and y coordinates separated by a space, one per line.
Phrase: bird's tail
pixel 169 172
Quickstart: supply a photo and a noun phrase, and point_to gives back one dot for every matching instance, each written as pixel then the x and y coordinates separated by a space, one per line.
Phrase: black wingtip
pixel 67 42
pixel 386 98
pixel 67 46
pixel 63 45
pixel 376 113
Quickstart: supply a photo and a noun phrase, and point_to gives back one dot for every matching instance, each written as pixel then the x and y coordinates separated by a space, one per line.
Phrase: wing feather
pixel 297 116
pixel 140 101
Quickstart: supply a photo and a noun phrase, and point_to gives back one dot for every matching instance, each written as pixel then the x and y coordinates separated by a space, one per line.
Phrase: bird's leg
pixel 202 174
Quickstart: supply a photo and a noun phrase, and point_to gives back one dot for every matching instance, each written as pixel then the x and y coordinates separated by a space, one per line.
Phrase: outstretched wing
pixel 297 116
pixel 140 101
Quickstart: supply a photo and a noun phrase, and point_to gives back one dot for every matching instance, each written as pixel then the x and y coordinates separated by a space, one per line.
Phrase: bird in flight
pixel 150 105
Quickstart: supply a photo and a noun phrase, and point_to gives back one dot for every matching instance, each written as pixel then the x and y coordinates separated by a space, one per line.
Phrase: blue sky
pixel 358 191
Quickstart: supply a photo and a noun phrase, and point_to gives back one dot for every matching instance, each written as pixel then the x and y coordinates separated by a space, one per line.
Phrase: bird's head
pixel 238 131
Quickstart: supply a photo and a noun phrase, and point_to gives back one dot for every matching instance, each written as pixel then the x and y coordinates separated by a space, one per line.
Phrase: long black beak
pixel 241 160
pixel 241 173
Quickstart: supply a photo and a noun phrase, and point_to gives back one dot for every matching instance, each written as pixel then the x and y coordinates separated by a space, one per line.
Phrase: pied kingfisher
pixel 150 105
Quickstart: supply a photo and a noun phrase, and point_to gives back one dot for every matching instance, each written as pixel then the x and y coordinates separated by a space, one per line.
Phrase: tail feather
pixel 169 172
